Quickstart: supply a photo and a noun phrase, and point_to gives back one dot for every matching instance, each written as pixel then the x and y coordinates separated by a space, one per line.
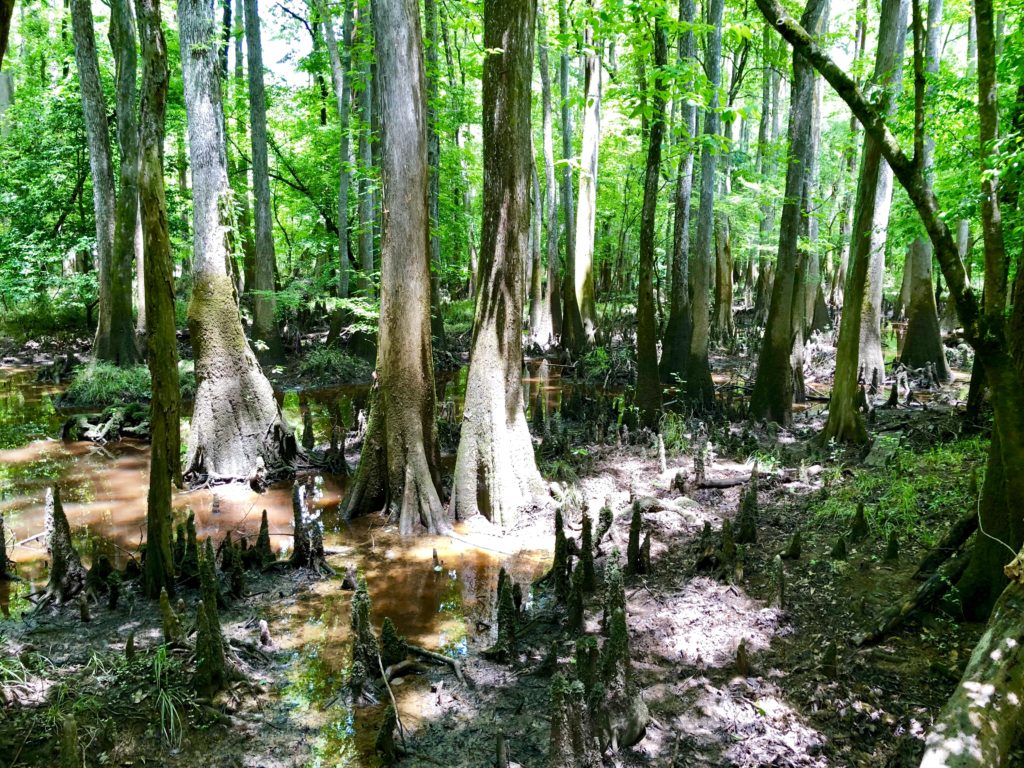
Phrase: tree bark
pixel 922 343
pixel 724 326
pixel 398 469
pixel 238 173
pixel 552 290
pixel 675 345
pixel 699 389
pixel 162 350
pixel 365 95
pixel 6 14
pixel 114 340
pixel 434 160
pixel 586 207
pixel 236 423
pixel 495 470
pixel 340 62
pixel 572 337
pixel 648 381
pixel 264 326
pixel 871 212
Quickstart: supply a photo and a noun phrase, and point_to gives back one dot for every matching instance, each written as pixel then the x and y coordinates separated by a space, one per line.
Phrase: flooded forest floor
pixel 737 666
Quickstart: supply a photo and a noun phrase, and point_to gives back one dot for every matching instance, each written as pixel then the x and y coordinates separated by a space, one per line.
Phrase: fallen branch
pixel 439 658
pixel 955 537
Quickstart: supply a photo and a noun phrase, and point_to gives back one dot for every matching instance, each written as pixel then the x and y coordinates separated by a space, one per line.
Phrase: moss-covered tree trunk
pixel 699 389
pixel 774 386
pixel 648 381
pixel 161 349
pixel 115 333
pixel 675 344
pixel 495 470
pixel 236 423
pixel 845 422
pixel 264 326
pixel 398 469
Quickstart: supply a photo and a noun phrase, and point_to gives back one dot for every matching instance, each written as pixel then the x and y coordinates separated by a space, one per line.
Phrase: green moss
pixel 99 385
pixel 392 645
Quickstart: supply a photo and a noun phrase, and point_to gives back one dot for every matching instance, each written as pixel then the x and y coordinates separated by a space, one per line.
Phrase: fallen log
pixel 439 658
pixel 926 594
pixel 958 533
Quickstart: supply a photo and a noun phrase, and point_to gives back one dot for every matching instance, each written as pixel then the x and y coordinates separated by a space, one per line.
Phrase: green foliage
pixel 101 384
pixel 325 366
pixel 608 365
pixel 913 496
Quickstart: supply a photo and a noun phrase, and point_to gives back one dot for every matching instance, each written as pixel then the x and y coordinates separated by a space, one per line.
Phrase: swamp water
pixel 104 494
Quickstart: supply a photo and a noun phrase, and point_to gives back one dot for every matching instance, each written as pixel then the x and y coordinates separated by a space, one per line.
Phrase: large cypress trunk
pixel 586 203
pixel 648 383
pixel 115 340
pixel 162 349
pixel 699 389
pixel 923 342
pixel 773 389
pixel 236 423
pixel 398 469
pixel 264 326
pixel 845 423
pixel 675 345
pixel 495 470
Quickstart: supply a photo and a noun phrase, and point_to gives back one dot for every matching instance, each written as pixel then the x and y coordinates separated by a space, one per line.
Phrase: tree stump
pixel 571 745
pixel 211 666
pixel 747 516
pixel 587 555
pixel 623 716
pixel 173 635
pixel 859 529
pixel 263 550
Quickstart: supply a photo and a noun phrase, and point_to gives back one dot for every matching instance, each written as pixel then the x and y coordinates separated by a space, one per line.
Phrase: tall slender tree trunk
pixel 239 173
pixel 675 345
pixel 398 469
pixel 540 301
pixel 495 470
pixel 236 423
pixel 162 349
pixel 586 203
pixel 340 62
pixel 6 14
pixel 264 327
pixel 724 326
pixel 845 422
pixel 699 389
pixel 552 288
pixel 365 96
pixel 434 159
pixel 114 340
pixel 573 338
pixel 774 387
pixel 648 382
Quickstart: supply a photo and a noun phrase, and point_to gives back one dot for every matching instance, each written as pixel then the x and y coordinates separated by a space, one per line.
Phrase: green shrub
pixel 608 365
pixel 98 385
pixel 327 365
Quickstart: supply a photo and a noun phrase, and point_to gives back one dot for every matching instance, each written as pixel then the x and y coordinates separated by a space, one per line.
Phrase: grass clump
pixel 914 495
pixel 326 365
pixel 99 384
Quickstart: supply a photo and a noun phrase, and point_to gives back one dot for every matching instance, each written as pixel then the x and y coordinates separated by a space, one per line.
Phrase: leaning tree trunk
pixel 126 209
pixel 495 470
pixel 675 344
pixel 699 389
pixel 264 325
pixel 162 349
pixel 398 469
pixel 236 423
pixel 922 344
pixel 845 422
pixel 586 203
pixel 648 382
pixel 115 339
pixel 772 398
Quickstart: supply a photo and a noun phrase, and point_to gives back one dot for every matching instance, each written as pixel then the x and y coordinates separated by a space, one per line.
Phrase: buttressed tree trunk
pixel 115 336
pixel 923 342
pixel 495 470
pixel 236 423
pixel 398 469
pixel 773 389
pixel 648 383
pixel 264 326
pixel 586 204
pixel 126 210
pixel 699 389
pixel 675 346
pixel 162 349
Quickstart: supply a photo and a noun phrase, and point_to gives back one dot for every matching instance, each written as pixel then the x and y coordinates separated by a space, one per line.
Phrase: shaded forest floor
pixel 794 704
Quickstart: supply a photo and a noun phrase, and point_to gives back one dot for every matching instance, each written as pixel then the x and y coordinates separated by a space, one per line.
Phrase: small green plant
pixel 99 384
pixel 327 365
pixel 675 432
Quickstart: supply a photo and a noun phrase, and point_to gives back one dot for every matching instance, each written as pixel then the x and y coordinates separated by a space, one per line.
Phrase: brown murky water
pixel 104 492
